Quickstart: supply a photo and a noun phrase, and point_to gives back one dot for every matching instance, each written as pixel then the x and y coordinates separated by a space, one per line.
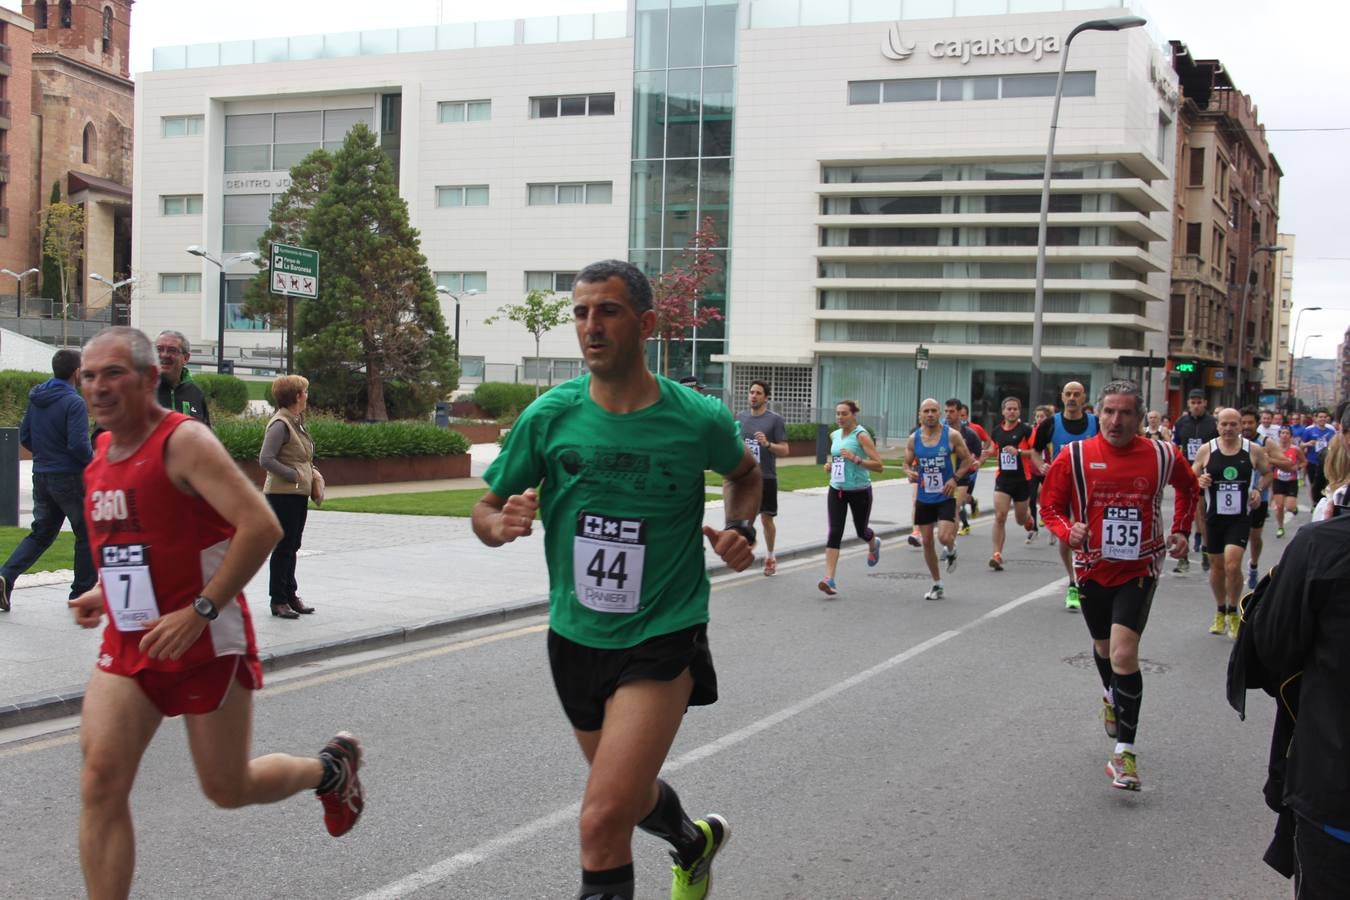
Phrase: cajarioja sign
pixel 895 47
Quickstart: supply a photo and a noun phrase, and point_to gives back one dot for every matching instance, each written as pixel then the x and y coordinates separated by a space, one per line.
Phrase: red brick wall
pixel 16 246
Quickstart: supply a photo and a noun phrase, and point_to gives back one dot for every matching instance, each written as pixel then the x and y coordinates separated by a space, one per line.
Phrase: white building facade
pixel 872 171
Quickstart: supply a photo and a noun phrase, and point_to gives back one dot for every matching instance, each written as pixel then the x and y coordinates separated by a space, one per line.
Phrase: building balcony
pixel 6 59
pixel 1194 268
pixel 4 221
pixel 5 107
pixel 4 168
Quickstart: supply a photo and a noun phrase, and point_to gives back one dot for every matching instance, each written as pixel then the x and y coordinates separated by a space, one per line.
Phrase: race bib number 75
pixel 607 558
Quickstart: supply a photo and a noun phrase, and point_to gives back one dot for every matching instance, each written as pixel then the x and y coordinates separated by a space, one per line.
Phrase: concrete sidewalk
pixel 375 580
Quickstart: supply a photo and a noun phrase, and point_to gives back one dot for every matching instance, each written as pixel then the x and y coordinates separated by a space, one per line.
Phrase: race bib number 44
pixel 124 572
pixel 1122 533
pixel 607 558
pixel 753 446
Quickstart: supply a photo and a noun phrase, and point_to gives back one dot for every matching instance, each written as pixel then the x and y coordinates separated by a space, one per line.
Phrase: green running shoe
pixel 1109 717
pixel 1071 599
pixel 1123 771
pixel 695 882
pixel 1220 623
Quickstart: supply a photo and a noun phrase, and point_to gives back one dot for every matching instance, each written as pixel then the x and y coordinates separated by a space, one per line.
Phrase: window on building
pixel 464 111
pixel 459 282
pixel 1197 171
pixel 550 370
pixel 181 205
pixel 570 193
pixel 65 13
pixel 1194 231
pixel 559 282
pixel 1164 137
pixel 244 219
pixel 88 144
pixel 456 195
pixel 40 14
pixel 107 29
pixel 981 87
pixel 180 282
pixel 572 105
pixel 182 126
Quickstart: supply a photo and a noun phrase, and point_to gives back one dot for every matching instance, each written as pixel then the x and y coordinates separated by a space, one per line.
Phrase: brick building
pixel 16 178
pixel 1226 225
pixel 82 108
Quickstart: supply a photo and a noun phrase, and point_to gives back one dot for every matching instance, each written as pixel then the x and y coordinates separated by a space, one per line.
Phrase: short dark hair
pixel 65 363
pixel 1249 411
pixel 639 288
pixel 1007 400
pixel 1321 409
pixel 764 385
pixel 953 402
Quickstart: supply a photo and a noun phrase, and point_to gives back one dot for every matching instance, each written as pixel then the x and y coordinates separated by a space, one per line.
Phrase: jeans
pixel 292 510
pixel 57 496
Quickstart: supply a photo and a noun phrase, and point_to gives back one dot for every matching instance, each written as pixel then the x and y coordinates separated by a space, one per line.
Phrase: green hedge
pixel 14 388
pixel 802 431
pixel 332 438
pixel 500 399
pixel 224 393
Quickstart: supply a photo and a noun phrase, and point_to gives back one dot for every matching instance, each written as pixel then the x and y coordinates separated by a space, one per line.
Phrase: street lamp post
pixel 115 286
pixel 1117 23
pixel 18 286
pixel 222 265
pixel 441 289
pixel 1304 354
pixel 1293 345
pixel 1241 342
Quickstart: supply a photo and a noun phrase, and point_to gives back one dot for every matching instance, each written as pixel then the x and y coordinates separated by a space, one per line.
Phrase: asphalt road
pixel 872 745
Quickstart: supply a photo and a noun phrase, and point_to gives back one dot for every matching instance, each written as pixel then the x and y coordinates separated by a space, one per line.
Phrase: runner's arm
pixel 498 521
pixel 911 459
pixel 1262 464
pixel 1056 500
pixel 1187 493
pixel 873 461
pixel 966 462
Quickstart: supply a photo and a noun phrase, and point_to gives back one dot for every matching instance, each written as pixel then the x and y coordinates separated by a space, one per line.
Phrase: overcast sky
pixel 1285 55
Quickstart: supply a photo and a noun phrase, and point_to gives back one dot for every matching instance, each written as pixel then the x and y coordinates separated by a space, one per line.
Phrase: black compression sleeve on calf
pixel 1103 669
pixel 1128 694
pixel 607 884
pixel 668 821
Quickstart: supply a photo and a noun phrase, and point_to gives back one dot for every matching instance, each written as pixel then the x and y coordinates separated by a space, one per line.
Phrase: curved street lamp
pixel 18 286
pixel 1304 354
pixel 1242 343
pixel 442 289
pixel 1117 23
pixel 115 286
pixel 1293 344
pixel 198 250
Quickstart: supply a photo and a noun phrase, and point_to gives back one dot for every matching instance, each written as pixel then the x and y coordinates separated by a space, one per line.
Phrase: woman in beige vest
pixel 288 458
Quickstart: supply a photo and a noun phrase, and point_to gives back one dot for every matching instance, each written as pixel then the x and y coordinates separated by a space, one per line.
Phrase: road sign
pixel 295 271
pixel 1145 362
pixel 921 358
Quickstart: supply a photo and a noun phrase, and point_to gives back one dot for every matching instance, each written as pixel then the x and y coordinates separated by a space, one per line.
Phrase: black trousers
pixel 291 511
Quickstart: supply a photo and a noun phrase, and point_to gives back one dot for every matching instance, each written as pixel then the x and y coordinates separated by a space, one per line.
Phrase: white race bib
pixel 130 595
pixel 1193 447
pixel 607 557
pixel 1282 475
pixel 1320 445
pixel 837 470
pixel 1228 499
pixel 753 446
pixel 1122 533
pixel 1007 459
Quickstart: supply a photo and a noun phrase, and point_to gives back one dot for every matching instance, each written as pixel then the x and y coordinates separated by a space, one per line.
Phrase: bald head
pixel 1074 396
pixel 1229 423
pixel 929 412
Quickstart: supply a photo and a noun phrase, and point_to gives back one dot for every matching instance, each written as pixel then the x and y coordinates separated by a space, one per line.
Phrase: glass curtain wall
pixel 684 87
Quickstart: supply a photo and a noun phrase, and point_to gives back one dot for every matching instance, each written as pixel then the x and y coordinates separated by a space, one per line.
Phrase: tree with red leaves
pixel 676 292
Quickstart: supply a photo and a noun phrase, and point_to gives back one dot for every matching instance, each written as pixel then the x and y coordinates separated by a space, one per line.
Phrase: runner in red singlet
pixel 1103 497
pixel 176 532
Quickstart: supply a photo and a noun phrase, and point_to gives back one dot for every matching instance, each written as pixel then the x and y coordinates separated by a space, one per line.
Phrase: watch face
pixel 204 607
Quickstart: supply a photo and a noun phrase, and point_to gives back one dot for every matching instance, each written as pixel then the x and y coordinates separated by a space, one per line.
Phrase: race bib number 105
pixel 607 558
pixel 124 572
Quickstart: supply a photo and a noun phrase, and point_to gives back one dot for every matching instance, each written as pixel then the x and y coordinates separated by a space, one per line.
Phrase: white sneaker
pixel 934 593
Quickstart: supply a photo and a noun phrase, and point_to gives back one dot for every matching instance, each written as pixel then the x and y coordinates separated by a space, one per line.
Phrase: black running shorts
pixel 1258 516
pixel 768 497
pixel 1284 488
pixel 1014 486
pixel 928 513
pixel 1226 531
pixel 1125 604
pixel 586 677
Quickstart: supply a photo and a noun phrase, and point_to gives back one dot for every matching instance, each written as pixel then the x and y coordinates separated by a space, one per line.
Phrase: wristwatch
pixel 746 527
pixel 205 608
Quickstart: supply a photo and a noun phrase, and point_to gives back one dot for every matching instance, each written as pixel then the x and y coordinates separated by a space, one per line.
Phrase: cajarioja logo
pixel 893 46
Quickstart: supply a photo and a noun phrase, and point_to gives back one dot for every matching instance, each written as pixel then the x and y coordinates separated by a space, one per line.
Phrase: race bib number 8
pixel 1228 499
pixel 127 590
pixel 1122 533
pixel 607 558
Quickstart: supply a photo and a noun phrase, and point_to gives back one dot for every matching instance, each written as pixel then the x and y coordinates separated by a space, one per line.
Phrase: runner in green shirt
pixel 617 457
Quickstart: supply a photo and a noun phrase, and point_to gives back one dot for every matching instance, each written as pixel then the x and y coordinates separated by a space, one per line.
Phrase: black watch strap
pixel 746 528
pixel 205 608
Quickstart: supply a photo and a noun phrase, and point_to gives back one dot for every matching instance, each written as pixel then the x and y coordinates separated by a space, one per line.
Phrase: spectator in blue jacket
pixel 55 429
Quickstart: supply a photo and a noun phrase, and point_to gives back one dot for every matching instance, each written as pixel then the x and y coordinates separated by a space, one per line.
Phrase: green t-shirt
pixel 620 494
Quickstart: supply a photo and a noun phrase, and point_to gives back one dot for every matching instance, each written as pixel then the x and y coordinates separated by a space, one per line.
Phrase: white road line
pixel 440 871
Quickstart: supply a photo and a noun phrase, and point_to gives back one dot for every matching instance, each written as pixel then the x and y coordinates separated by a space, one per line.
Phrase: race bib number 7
pixel 607 558
pixel 124 572
pixel 1122 533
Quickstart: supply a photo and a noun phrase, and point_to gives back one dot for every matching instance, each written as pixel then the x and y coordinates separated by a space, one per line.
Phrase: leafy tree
pixel 540 314
pixel 310 177
pixel 51 270
pixel 676 292
pixel 377 312
pixel 63 239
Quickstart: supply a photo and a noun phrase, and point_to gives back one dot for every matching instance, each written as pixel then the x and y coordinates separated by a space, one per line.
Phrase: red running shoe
pixel 342 805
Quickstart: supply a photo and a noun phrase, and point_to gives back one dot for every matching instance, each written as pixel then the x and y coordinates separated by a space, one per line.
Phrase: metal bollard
pixel 822 443
pixel 9 476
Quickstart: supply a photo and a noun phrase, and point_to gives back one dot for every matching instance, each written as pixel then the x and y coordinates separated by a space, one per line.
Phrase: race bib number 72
pixel 607 558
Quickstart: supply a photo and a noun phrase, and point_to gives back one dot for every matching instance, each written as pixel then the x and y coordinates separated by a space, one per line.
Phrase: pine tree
pixel 377 312
pixel 289 217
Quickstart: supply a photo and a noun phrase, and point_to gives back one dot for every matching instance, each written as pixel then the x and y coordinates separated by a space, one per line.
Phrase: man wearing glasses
pixel 177 391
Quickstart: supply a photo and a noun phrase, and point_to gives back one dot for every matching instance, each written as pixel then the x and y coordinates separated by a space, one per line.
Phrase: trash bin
pixel 822 443
pixel 442 414
pixel 9 476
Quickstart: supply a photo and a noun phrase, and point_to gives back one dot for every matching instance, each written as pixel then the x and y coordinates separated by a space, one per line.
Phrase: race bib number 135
pixel 607 558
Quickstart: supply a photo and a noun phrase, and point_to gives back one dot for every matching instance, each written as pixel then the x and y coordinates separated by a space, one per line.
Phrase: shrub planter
pixel 476 433
pixel 802 448
pixel 340 470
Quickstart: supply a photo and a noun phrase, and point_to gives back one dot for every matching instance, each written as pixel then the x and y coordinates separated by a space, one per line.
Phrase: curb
pixel 67 702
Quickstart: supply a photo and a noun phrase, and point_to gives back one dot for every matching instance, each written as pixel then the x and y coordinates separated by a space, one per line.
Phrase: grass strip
pixel 60 555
